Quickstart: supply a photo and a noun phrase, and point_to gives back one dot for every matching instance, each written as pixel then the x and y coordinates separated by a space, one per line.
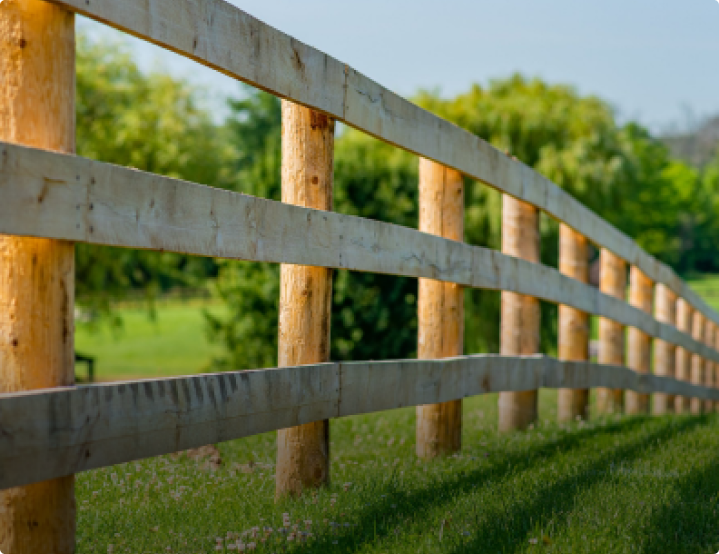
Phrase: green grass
pixel 619 485
pixel 707 286
pixel 174 343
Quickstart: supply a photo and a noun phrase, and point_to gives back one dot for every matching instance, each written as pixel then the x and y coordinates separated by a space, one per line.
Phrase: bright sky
pixel 655 61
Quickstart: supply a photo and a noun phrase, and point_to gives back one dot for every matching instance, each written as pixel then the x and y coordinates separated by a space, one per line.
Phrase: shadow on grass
pixel 690 525
pixel 385 516
pixel 557 500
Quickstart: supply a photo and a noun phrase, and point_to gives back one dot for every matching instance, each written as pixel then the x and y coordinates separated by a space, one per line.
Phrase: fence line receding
pixel 47 435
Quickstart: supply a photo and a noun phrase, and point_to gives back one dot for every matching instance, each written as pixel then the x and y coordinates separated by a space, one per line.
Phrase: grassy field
pixel 612 485
pixel 173 343
pixel 620 485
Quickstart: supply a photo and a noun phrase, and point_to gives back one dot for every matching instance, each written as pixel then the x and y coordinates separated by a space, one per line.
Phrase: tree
pixel 152 122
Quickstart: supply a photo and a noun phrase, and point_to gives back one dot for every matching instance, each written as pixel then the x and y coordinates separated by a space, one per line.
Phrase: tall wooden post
pixel 573 324
pixel 639 350
pixel 613 282
pixel 709 331
pixel 520 313
pixel 37 293
pixel 664 352
pixel 440 306
pixel 306 292
pixel 695 405
pixel 716 366
pixel 683 356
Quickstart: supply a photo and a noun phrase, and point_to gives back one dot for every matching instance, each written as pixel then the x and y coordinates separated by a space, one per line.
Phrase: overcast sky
pixel 655 61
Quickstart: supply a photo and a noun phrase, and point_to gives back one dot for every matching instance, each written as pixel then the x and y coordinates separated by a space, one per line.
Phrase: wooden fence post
pixel 303 455
pixel 709 331
pixel 697 377
pixel 664 352
pixel 520 313
pixel 613 281
pixel 440 307
pixel 683 356
pixel 639 350
pixel 716 366
pixel 573 324
pixel 37 287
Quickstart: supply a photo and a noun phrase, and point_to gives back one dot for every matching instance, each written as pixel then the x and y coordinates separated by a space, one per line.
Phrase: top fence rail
pixel 225 38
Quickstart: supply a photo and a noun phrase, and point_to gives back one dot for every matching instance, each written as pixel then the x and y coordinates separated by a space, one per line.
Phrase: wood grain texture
pixel 50 433
pixel 46 194
pixel 665 304
pixel 303 452
pixel 573 324
pixel 697 376
pixel 612 282
pixel 520 316
pixel 440 306
pixel 639 343
pixel 37 108
pixel 683 367
pixel 223 37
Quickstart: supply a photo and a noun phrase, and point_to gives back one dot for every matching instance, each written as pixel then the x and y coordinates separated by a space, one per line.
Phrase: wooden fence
pixel 50 198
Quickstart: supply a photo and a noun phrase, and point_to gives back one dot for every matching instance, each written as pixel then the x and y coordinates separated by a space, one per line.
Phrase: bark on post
pixel 697 376
pixel 709 331
pixel 664 352
pixel 440 306
pixel 37 108
pixel 639 350
pixel 306 292
pixel 613 281
pixel 520 313
pixel 683 356
pixel 573 324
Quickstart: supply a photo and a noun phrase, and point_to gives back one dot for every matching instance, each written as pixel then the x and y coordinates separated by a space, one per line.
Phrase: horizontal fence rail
pixel 223 37
pixel 51 433
pixel 46 194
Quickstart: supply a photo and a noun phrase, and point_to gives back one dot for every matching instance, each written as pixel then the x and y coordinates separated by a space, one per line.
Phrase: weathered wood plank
pixel 54 432
pixel 47 194
pixel 223 37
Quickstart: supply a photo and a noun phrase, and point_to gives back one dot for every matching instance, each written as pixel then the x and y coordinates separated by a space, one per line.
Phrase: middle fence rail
pixel 58 432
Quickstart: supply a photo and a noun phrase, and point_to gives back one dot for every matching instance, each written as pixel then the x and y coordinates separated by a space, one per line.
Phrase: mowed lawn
pixel 173 343
pixel 612 485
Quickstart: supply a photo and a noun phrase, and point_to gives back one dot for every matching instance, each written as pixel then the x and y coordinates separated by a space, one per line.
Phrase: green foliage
pixel 152 122
pixel 247 329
